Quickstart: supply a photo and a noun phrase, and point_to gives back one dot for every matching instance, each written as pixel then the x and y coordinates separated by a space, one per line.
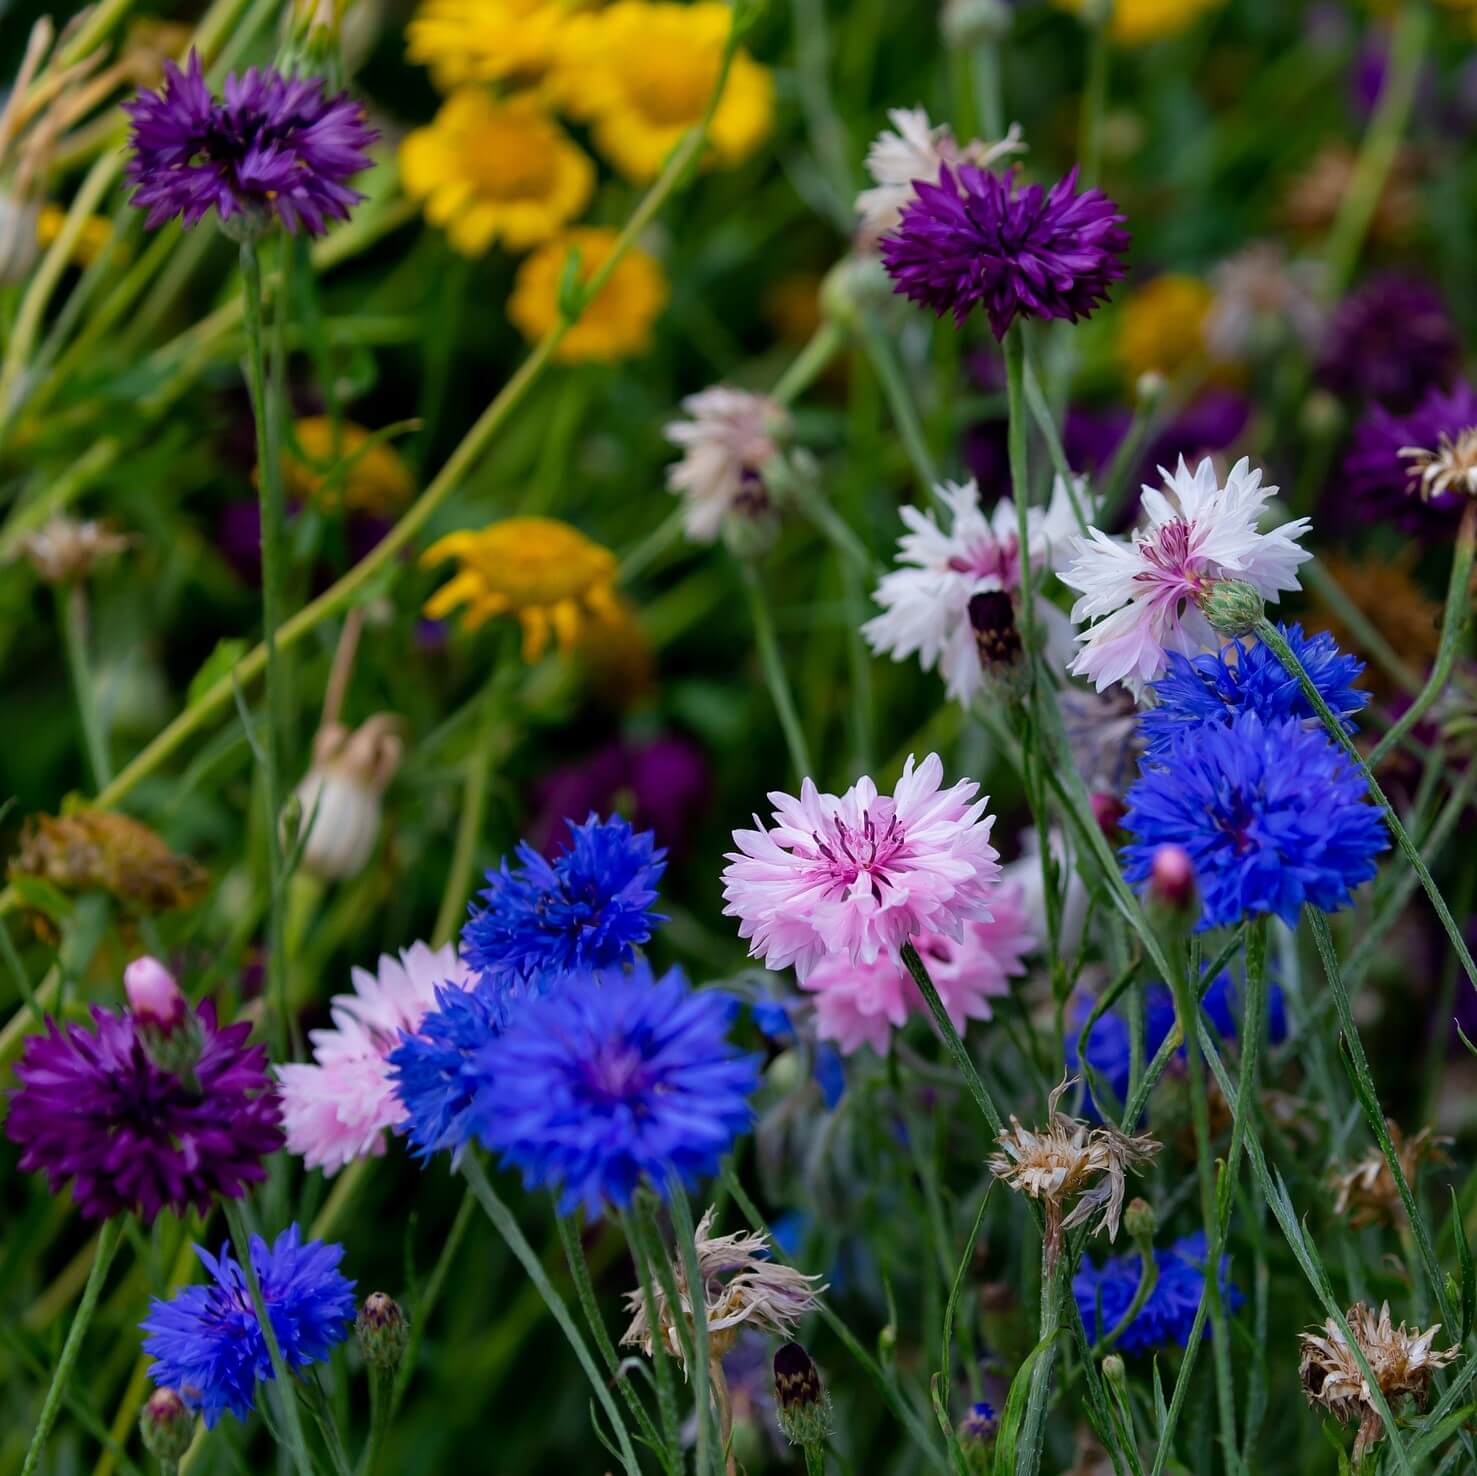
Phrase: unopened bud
pixel 857 283
pixel 1108 810
pixel 1114 1371
pixel 1322 414
pixel 1139 1219
pixel 803 1411
pixel 1233 607
pixel 153 996
pixel 166 1426
pixel 340 800
pixel 383 1331
pixel 968 23
pixel 1150 388
pixel 1172 878
pixel 992 617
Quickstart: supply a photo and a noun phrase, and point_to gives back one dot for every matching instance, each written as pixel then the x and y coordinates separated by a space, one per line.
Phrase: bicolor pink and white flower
pixel 1144 593
pixel 925 601
pixel 860 873
pixel 340 1106
pixel 859 1004
pixel 913 149
pixel 726 439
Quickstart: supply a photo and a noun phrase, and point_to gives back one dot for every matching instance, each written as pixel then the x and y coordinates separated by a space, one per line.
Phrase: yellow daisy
pixel 514 41
pixel 1162 326
pixel 641 74
pixel 616 323
pixel 491 170
pixel 378 482
pixel 1138 21
pixel 545 574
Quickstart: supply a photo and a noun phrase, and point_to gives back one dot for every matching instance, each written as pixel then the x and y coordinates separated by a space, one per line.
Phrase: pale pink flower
pixel 917 150
pixel 925 601
pixel 727 438
pixel 860 1004
pixel 861 873
pixel 1144 592
pixel 340 1108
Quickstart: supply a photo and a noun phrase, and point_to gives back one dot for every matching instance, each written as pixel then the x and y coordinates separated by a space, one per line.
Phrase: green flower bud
pixel 1114 1370
pixel 804 1411
pixel 166 1426
pixel 383 1331
pixel 975 22
pixel 1233 607
pixel 1138 1219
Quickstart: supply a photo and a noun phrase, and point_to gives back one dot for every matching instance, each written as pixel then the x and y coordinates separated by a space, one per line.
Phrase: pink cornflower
pixel 339 1109
pixel 861 873
pixel 1149 589
pixel 861 1004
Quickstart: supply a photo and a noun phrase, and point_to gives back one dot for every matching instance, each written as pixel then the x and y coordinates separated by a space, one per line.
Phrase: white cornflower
pixel 1451 467
pixel 917 150
pixel 926 602
pixel 1145 592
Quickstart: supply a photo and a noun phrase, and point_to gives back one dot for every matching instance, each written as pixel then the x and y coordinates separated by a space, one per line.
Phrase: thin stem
pixel 815 1460
pixel 1033 1429
pixel 900 402
pixel 1094 102
pixel 666 1390
pixel 506 1225
pixel 775 679
pixel 810 363
pixel 1148 1280
pixel 381 1384
pixel 1272 637
pixel 469 823
pixel 710 1443
pixel 292 1418
pixel 71 609
pixel 1014 348
pixel 107 1246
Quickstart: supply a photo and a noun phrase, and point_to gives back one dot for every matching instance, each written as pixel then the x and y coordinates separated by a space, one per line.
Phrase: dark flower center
pixel 616 1075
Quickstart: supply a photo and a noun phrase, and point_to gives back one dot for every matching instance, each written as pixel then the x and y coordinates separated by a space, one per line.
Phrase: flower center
pixel 1178 572
pixel 670 90
pixel 510 162
pixel 851 852
pixel 991 559
pixel 616 1075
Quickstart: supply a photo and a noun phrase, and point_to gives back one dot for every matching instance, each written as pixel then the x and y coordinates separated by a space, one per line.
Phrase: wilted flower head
pixel 1070 1160
pixel 275 146
pixel 339 797
pixel 1449 469
pixel 726 440
pixel 1401 1361
pixel 1261 301
pixel 926 601
pixel 64 550
pixel 916 149
pixel 861 873
pixel 974 239
pixel 1367 1193
pixel 741 1286
pixel 1145 593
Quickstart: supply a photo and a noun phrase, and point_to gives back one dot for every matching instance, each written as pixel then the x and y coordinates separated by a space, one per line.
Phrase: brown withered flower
pixel 1367 1193
pixel 1070 1160
pixel 66 550
pixel 1450 467
pixel 1314 197
pixel 1401 1361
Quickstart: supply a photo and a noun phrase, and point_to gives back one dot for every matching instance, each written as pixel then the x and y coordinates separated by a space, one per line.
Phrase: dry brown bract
pixel 1367 1193
pixel 1451 467
pixel 741 1284
pixel 1401 1361
pixel 1070 1159
pixel 66 550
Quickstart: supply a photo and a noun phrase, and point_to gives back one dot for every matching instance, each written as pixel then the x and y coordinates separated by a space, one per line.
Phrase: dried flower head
pixel 65 550
pixel 1401 1361
pixel 1315 196
pixel 1451 467
pixel 1070 1159
pixel 741 1285
pixel 339 798
pixel 1367 1193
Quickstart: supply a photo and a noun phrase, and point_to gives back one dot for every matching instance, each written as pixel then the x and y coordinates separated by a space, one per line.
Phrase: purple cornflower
pixel 1390 342
pixel 94 1108
pixel 973 238
pixel 1378 479
pixel 274 146
pixel 208 1343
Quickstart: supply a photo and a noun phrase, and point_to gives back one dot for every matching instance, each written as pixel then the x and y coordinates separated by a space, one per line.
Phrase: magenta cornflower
pixel 273 146
pixel 973 239
pixel 94 1108
pixel 861 873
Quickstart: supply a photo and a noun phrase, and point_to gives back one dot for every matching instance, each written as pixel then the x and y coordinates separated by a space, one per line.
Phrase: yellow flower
pixel 491 170
pixel 641 75
pixel 1162 327
pixel 544 573
pixel 96 232
pixel 514 41
pixel 377 482
pixel 1138 21
pixel 615 323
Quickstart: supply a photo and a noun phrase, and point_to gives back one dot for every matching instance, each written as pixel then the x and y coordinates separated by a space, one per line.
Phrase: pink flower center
pixel 991 558
pixel 850 852
pixel 616 1073
pixel 1177 572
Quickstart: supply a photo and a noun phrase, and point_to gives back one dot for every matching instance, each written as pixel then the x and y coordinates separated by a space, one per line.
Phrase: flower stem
pixel 825 343
pixel 900 401
pixel 666 1390
pixel 977 1088
pixel 1094 103
pixel 774 672
pixel 469 824
pixel 1014 349
pixel 1033 1425
pixel 107 1245
pixel 506 1225
pixel 292 1418
pixel 710 1443
pixel 1272 637
pixel 71 609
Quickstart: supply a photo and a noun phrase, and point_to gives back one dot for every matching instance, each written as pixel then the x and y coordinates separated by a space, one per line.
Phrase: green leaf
pixel 1015 1409
pixel 41 896
pixel 220 663
pixel 1464 1260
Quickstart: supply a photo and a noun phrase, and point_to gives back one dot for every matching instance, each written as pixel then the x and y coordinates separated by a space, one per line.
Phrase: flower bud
pixel 857 283
pixel 383 1331
pixel 1149 389
pixel 166 1426
pixel 992 617
pixel 1234 608
pixel 1114 1370
pixel 967 23
pixel 804 1412
pixel 980 1425
pixel 1139 1220
pixel 153 996
pixel 339 801
pixel 1108 810
pixel 1172 878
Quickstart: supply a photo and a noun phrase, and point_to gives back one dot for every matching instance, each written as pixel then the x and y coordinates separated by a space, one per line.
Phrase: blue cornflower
pixel 1168 1314
pixel 1272 815
pixel 606 1083
pixel 207 1342
pixel 435 1072
pixel 587 909
pixel 1213 688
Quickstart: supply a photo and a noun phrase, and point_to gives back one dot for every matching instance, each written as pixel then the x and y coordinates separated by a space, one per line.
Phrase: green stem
pixel 469 822
pixel 1033 1426
pixel 1014 348
pixel 426 1302
pixel 71 607
pixel 773 667
pixel 507 1226
pixel 815 1460
pixel 1148 1280
pixel 825 343
pixel 710 1444
pixel 292 1418
pixel 900 402
pixel 661 1358
pixel 1272 637
pixel 107 1246
pixel 1094 103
